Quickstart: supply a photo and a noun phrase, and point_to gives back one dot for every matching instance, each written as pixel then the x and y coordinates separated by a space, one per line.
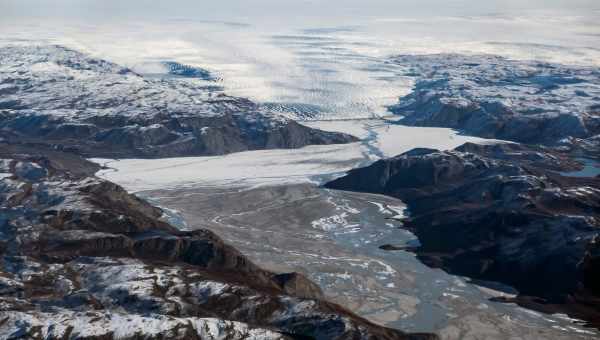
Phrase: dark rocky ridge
pixel 493 97
pixel 83 259
pixel 500 213
pixel 70 101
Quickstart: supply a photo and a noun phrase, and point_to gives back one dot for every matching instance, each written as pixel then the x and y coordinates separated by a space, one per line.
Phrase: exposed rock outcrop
pixel 500 213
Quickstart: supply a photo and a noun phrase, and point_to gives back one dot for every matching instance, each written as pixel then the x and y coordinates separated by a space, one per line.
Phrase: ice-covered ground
pixel 309 58
pixel 313 164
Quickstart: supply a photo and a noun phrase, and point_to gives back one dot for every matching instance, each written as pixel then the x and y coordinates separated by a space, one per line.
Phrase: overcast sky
pixel 256 10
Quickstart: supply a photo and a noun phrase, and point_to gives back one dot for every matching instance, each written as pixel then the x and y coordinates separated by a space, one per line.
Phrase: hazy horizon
pixel 267 50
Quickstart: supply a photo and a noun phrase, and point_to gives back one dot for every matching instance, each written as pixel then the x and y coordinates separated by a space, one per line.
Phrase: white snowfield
pixel 312 164
pixel 124 326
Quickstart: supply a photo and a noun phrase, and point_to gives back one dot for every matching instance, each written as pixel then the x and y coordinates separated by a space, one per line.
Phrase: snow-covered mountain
pixel 60 97
pixel 494 97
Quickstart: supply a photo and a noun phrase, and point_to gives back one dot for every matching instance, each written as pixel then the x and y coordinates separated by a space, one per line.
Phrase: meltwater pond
pixel 335 237
pixel 591 168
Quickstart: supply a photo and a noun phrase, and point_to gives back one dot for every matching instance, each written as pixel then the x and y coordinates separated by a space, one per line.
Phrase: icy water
pixel 334 237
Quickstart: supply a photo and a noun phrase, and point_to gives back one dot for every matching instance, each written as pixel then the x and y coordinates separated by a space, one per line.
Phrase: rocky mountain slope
pixel 83 259
pixel 500 213
pixel 490 96
pixel 70 101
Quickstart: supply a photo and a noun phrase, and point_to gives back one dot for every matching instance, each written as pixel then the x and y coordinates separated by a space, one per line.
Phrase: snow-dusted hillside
pixel 82 259
pixel 494 97
pixel 57 96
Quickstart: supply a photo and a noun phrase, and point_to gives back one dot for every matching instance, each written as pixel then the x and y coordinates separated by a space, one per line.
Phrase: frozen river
pixel 335 237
